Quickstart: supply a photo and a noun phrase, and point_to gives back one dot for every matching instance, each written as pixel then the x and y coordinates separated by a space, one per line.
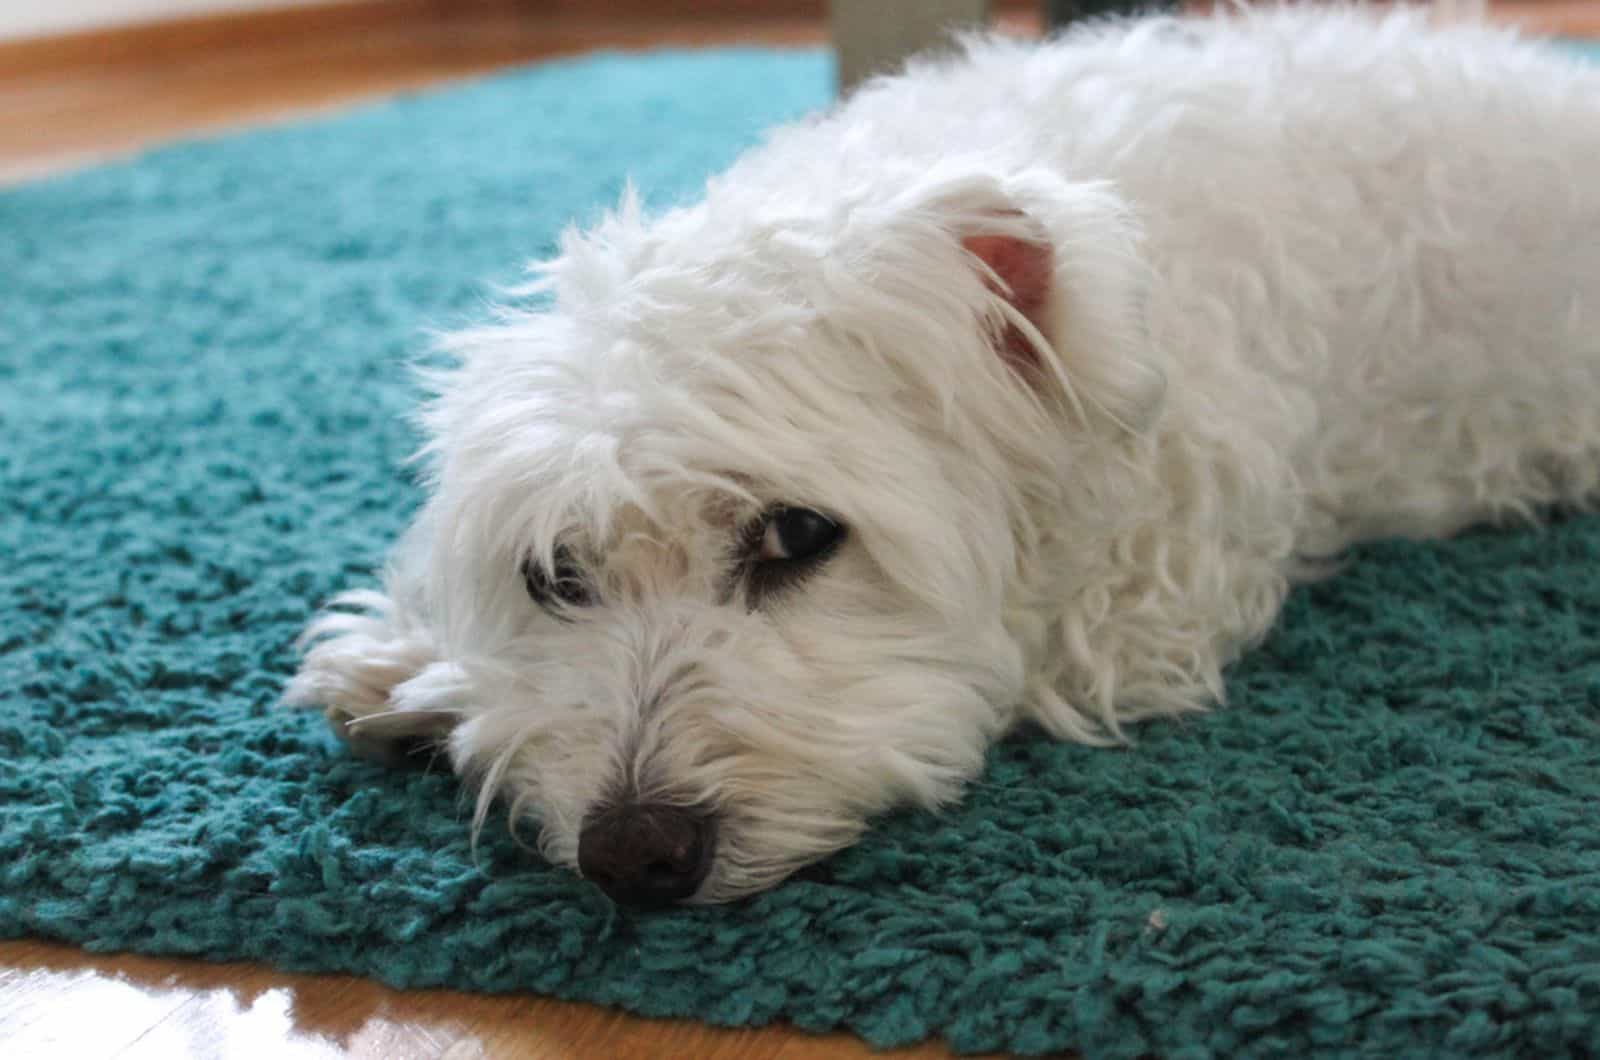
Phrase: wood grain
pixel 58 1002
pixel 207 78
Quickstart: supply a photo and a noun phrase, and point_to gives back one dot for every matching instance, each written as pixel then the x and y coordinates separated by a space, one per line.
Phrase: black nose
pixel 647 854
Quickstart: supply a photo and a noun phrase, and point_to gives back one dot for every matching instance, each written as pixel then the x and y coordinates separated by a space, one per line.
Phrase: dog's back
pixel 1391 228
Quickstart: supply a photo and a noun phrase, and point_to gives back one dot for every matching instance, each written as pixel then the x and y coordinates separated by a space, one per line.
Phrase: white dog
pixel 1020 386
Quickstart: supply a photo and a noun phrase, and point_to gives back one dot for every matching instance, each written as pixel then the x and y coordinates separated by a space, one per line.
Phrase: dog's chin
pixel 730 881
pixel 727 883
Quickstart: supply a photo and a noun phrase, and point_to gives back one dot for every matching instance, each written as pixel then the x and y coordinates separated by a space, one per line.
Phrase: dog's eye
pixel 798 535
pixel 563 584
pixel 782 547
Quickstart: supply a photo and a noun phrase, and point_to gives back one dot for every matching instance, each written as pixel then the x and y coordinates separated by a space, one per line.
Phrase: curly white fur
pixel 1318 277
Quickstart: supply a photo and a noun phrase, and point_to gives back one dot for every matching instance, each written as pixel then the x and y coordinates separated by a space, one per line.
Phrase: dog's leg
pixel 372 667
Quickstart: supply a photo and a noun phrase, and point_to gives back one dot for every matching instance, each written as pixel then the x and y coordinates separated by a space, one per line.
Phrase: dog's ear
pixel 1064 260
pixel 1022 271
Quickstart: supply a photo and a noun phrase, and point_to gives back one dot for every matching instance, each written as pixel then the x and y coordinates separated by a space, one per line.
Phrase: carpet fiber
pixel 1389 842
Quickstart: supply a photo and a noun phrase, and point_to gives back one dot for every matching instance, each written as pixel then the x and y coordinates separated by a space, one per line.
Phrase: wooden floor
pixel 86 106
pixel 78 101
pixel 57 1003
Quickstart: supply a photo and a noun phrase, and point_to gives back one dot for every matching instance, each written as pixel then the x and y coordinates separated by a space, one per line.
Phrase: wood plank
pixel 56 1001
pixel 74 113
pixel 180 38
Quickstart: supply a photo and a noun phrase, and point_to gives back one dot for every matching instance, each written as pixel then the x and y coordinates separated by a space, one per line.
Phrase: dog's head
pixel 736 542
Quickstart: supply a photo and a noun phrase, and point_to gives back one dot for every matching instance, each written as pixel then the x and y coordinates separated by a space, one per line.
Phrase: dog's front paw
pixel 379 681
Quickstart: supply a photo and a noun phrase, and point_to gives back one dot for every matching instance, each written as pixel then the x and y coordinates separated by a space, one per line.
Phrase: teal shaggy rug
pixel 1388 844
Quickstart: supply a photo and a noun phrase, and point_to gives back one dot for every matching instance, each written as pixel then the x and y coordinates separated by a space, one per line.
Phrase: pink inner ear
pixel 1026 269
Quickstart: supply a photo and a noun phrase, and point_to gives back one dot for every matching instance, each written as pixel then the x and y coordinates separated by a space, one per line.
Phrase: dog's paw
pixel 379 682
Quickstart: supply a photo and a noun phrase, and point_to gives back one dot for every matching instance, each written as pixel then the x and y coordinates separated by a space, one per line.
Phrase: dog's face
pixel 748 670
pixel 731 548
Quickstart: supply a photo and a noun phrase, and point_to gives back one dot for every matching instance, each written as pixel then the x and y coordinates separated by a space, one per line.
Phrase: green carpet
pixel 1390 843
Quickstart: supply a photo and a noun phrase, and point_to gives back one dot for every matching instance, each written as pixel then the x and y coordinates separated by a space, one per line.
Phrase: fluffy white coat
pixel 1317 277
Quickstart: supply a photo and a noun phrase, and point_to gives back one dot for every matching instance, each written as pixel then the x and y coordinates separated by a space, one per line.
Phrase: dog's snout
pixel 647 854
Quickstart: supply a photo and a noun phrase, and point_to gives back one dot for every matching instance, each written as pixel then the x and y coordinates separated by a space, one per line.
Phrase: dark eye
pixel 564 583
pixel 785 545
pixel 797 535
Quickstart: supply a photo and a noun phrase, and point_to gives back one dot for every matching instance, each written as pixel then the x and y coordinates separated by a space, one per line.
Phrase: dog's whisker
pixel 421 717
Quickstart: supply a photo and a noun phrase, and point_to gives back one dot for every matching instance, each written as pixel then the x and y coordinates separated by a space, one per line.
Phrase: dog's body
pixel 1021 386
